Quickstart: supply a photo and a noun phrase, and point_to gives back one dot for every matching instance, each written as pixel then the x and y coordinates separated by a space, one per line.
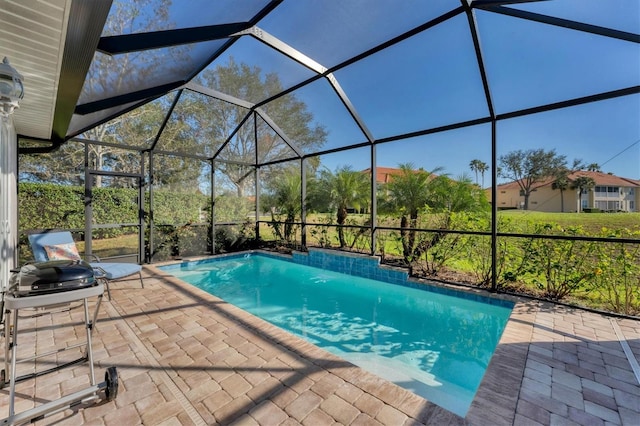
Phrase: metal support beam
pixel 88 196
pixel 194 87
pixel 166 119
pixel 571 102
pixel 256 177
pixel 303 202
pixel 347 103
pixel 212 218
pixel 251 107
pixel 257 203
pixel 145 95
pixel 141 206
pixel 149 254
pixel 564 23
pixel 374 197
pixel 119 44
pixel 473 27
pixel 279 132
pixel 494 206
pixel 282 47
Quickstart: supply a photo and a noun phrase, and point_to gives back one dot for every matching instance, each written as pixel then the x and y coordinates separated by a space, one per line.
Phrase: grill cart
pixel 45 286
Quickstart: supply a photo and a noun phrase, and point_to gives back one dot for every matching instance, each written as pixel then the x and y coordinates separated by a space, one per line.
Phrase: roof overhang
pixel 51 43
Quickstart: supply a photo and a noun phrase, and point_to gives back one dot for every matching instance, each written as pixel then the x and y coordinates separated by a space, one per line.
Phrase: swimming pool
pixel 434 344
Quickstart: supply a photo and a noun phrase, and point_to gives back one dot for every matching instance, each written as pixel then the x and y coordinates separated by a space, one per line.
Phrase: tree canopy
pixel 255 139
pixel 531 167
pixel 341 190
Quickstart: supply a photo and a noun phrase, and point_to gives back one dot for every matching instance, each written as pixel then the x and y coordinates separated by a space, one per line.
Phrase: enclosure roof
pixel 362 68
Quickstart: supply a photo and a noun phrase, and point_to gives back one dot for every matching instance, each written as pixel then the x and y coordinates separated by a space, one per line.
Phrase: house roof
pixel 384 174
pixel 600 178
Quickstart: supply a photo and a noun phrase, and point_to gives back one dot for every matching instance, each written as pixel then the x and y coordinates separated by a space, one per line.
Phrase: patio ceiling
pixel 59 44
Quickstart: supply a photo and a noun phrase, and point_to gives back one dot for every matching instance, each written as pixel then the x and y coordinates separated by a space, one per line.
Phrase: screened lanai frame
pixel 91 112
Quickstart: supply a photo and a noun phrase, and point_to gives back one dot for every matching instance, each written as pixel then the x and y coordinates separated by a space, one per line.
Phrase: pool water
pixel 435 345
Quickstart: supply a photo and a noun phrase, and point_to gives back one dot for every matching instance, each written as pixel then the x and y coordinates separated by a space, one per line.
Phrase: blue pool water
pixel 436 345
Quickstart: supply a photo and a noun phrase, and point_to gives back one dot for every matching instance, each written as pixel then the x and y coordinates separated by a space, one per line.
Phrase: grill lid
pixel 54 275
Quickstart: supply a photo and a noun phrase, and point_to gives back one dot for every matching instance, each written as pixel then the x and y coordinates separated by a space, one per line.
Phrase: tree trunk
pixel 406 250
pixel 579 203
pixel 408 236
pixel 341 218
pixel 288 226
pixel 239 189
pixel 412 233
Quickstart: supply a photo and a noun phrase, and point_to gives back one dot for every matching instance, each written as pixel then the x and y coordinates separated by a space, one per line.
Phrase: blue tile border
pixel 352 264
pixel 355 264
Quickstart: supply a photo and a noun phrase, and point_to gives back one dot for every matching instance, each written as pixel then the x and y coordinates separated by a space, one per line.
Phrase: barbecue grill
pixel 51 277
pixel 41 286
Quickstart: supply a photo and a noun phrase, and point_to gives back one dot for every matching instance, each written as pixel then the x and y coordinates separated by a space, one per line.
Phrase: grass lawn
pixel 118 246
pixel 591 222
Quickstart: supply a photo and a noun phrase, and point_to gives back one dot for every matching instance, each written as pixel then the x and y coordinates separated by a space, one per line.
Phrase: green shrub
pixel 617 278
pixel 560 267
pixel 50 206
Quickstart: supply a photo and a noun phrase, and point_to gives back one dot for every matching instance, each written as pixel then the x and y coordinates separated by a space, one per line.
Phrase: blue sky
pixel 432 79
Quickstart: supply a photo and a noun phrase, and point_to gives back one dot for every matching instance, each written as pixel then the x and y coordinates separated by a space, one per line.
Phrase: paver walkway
pixel 185 357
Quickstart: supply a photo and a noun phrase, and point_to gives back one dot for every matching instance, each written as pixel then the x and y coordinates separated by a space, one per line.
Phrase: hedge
pixel 47 206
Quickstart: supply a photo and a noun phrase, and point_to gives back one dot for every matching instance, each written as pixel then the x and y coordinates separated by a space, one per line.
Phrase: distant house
pixel 384 174
pixel 610 194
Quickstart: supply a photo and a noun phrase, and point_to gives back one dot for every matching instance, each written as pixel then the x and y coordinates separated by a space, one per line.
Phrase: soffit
pixel 32 37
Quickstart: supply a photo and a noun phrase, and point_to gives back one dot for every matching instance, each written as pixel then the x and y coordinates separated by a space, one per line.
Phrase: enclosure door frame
pixel 89 226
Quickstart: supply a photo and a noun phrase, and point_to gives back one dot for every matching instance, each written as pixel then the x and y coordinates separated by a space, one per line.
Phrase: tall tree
pixel 594 167
pixel 113 74
pixel 64 166
pixel 290 114
pixel 582 184
pixel 284 194
pixel 343 189
pixel 127 72
pixel 561 183
pixel 483 168
pixel 409 193
pixel 199 124
pixel 530 167
pixel 478 166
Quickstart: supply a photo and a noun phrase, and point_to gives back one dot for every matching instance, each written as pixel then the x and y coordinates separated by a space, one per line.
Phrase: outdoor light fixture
pixel 11 88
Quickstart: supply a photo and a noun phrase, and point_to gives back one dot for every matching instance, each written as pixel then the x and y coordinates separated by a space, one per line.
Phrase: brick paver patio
pixel 185 357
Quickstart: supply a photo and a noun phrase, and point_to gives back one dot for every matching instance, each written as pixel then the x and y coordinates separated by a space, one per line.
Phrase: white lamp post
pixel 11 92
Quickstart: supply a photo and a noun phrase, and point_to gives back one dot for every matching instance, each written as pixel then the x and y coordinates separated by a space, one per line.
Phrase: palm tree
pixel 582 184
pixel 409 192
pixel 561 183
pixel 593 167
pixel 344 189
pixel 474 165
pixel 479 166
pixel 456 195
pixel 286 196
pixel 483 167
